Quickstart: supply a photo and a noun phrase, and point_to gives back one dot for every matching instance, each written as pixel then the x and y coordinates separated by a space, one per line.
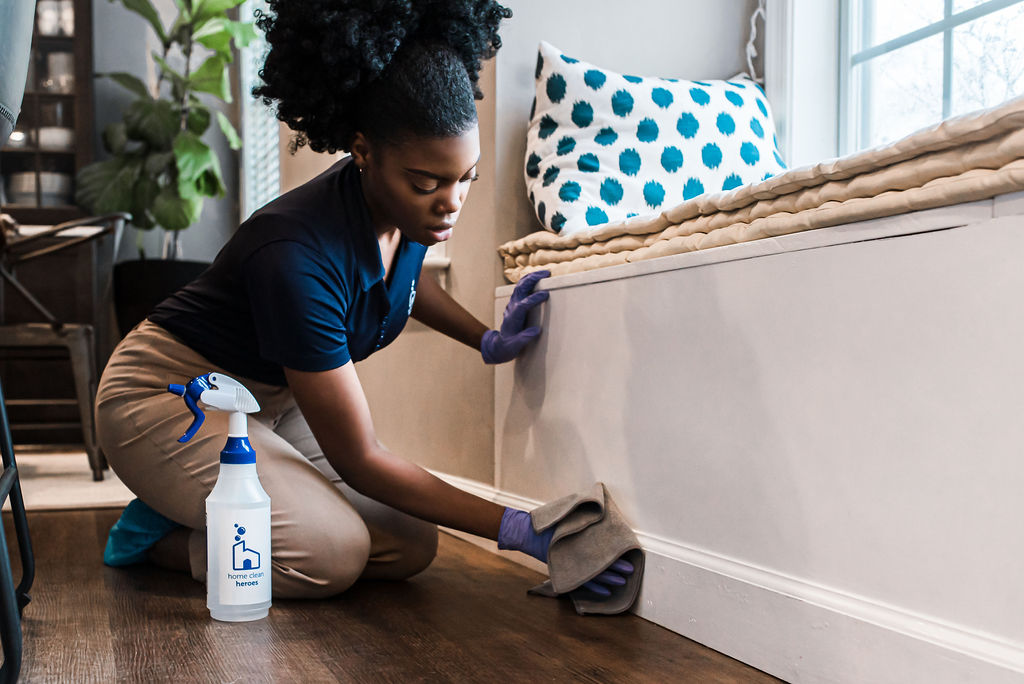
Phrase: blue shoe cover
pixel 138 528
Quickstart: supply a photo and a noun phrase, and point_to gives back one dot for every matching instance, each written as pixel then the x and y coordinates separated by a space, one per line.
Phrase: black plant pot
pixel 142 284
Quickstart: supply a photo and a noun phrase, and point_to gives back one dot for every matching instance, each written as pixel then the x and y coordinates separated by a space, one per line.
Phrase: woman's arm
pixel 335 407
pixel 436 308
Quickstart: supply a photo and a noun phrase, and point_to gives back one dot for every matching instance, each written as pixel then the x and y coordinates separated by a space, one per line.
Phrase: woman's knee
pixel 321 567
pixel 414 552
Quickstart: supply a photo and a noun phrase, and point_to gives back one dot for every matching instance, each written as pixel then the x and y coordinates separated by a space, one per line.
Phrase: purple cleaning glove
pixel 499 346
pixel 516 534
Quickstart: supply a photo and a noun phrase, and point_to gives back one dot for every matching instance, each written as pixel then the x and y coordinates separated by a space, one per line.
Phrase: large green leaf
pixel 115 137
pixel 148 12
pixel 218 33
pixel 174 212
pixel 106 186
pixel 132 83
pixel 198 167
pixel 204 10
pixel 143 196
pixel 154 121
pixel 212 77
pixel 198 118
pixel 159 163
pixel 229 131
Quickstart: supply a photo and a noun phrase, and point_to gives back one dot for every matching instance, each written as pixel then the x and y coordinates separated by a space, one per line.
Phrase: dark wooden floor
pixel 466 619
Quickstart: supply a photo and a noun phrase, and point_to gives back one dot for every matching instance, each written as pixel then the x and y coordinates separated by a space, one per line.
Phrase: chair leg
pixel 83 363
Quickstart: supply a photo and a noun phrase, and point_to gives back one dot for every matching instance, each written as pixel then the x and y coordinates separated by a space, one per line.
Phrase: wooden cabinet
pixel 53 136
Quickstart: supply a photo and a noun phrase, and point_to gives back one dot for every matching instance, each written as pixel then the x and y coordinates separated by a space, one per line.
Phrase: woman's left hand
pixel 499 346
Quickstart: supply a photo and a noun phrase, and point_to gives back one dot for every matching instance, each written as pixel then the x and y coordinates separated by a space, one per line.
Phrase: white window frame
pixel 802 77
pixel 851 88
pixel 260 160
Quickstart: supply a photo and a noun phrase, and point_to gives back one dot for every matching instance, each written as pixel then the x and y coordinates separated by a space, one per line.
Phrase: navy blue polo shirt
pixel 300 285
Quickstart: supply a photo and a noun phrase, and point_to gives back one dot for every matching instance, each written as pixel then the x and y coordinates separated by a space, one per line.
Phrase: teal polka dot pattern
pixel 546 127
pixel 711 155
pixel 671 160
pixel 654 194
pixel 556 87
pixel 606 137
pixel 533 166
pixel 551 175
pixel 629 162
pixel 594 78
pixel 725 124
pixel 662 97
pixel 732 181
pixel 582 114
pixel 756 128
pixel 565 146
pixel 647 131
pixel 622 103
pixel 595 216
pixel 734 98
pixel 588 163
pixel 687 125
pixel 604 146
pixel 700 96
pixel 569 192
pixel 611 191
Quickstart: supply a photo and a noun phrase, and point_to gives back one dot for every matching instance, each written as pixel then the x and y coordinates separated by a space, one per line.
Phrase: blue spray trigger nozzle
pixel 191 393
pixel 217 392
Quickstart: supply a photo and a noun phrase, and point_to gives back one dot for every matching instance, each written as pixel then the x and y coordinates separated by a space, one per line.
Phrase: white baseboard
pixel 790 627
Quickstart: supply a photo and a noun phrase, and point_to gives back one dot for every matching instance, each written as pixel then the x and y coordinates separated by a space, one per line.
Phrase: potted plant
pixel 159 169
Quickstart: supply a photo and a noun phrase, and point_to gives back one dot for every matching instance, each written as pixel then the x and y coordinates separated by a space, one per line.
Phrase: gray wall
pixel 432 399
pixel 121 42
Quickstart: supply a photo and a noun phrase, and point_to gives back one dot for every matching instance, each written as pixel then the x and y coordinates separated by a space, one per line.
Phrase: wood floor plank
pixel 467 618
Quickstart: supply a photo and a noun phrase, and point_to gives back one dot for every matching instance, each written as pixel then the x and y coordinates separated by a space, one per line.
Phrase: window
pixel 261 169
pixel 908 64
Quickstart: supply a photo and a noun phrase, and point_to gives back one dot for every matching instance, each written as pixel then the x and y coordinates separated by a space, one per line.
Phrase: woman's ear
pixel 361 152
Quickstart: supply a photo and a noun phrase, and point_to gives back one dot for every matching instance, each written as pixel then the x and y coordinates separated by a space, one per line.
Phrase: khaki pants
pixel 324 535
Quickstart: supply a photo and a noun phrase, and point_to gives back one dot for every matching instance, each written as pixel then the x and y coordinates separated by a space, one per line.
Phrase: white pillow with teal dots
pixel 604 146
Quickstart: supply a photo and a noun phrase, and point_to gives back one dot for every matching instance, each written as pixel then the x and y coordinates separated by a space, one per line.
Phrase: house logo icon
pixel 243 558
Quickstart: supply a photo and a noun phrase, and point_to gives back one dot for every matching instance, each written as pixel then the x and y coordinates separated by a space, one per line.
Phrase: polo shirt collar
pixel 368 260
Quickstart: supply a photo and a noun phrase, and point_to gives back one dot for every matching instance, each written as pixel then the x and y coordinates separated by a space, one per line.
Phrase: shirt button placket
pixel 383 329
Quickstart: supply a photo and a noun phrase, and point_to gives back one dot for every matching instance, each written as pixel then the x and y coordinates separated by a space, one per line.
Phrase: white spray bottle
pixel 237 510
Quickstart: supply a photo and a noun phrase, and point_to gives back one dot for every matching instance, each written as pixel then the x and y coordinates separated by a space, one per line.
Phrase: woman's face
pixel 418 186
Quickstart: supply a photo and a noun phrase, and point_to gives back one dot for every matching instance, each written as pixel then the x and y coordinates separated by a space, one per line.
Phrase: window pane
pixel 888 19
pixel 988 60
pixel 901 91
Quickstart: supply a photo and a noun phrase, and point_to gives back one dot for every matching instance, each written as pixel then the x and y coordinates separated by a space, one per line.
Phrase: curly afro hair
pixel 387 68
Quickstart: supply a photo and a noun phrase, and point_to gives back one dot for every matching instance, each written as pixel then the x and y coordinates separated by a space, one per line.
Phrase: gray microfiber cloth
pixel 590 535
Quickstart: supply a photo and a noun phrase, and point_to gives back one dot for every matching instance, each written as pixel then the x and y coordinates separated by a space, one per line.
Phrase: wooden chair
pixel 77 338
pixel 12 599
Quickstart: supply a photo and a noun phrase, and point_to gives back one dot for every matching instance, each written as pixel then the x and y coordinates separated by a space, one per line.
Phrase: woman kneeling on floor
pixel 314 281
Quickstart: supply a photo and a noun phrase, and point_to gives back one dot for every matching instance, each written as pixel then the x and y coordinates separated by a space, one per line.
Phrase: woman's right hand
pixel 517 534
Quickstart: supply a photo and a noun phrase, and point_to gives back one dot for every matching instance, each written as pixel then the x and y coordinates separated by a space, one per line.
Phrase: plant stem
pixel 186 47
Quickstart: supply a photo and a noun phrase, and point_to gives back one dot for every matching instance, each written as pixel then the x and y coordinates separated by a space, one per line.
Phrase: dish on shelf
pixel 56 138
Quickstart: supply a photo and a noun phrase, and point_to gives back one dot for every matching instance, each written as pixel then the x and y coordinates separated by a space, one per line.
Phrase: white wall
pixel 819 448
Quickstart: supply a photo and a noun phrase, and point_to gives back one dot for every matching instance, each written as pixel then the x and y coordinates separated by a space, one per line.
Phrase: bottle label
pixel 244 556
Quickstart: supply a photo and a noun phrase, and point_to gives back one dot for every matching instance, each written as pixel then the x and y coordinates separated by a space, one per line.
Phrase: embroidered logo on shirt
pixel 412 295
